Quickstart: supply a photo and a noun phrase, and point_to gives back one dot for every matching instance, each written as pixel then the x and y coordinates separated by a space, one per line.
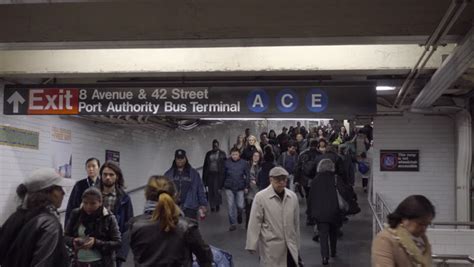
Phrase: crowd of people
pixel 261 180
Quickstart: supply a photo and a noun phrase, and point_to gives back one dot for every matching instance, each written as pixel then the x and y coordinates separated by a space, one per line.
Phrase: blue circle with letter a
pixel 258 101
pixel 316 100
pixel 287 100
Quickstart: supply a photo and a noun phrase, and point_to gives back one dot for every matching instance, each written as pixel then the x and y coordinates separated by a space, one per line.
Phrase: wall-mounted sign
pixel 61 150
pixel 400 160
pixel 11 136
pixel 231 101
pixel 113 156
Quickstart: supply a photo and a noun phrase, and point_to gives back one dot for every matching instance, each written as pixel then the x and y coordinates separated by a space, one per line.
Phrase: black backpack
pixel 309 164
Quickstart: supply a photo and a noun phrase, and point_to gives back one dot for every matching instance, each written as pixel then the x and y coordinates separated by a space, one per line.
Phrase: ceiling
pixel 37 24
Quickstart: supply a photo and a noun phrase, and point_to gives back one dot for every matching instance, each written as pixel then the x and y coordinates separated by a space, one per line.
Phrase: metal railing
pixel 455 224
pixel 380 210
pixel 443 260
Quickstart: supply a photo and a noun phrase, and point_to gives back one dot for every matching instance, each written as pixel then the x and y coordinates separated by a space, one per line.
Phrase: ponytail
pixel 166 212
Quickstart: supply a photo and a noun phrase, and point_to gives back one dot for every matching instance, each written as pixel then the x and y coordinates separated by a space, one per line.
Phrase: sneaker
pixel 232 228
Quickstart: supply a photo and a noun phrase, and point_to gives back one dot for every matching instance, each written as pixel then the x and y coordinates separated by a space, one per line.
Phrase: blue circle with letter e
pixel 316 100
pixel 258 101
pixel 287 100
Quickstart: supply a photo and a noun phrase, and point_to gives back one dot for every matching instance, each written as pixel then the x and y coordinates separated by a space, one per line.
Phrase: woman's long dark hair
pixel 412 207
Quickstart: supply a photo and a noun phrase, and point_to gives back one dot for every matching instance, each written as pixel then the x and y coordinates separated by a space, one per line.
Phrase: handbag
pixel 343 205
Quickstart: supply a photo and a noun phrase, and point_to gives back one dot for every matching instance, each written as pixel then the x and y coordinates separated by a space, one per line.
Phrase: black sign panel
pixel 400 160
pixel 231 101
pixel 113 156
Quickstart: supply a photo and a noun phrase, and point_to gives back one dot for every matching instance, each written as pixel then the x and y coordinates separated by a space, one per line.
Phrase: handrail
pixel 446 257
pixel 453 223
pixel 133 190
pixel 379 223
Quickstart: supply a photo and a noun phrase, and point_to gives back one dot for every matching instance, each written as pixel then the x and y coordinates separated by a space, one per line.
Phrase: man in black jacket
pixel 75 199
pixel 213 175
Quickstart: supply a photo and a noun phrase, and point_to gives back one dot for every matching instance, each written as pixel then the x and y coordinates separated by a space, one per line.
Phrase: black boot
pixel 239 216
pixel 325 261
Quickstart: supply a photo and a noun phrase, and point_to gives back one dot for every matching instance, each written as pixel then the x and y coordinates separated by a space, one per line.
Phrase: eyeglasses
pixel 280 181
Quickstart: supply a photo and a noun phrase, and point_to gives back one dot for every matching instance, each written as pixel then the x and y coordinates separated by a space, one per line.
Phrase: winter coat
pixel 75 199
pixel 322 200
pixel 106 233
pixel 306 157
pixel 248 152
pixel 274 227
pixel 236 176
pixel 153 247
pixel 33 238
pixel 387 251
pixel 220 166
pixel 349 169
pixel 263 180
pixel 253 174
pixel 196 196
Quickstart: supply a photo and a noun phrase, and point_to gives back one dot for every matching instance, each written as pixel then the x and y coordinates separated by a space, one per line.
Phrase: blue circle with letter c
pixel 316 100
pixel 287 100
pixel 258 101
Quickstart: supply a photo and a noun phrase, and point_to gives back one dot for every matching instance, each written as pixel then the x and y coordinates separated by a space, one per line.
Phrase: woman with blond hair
pixel 162 236
pixel 252 146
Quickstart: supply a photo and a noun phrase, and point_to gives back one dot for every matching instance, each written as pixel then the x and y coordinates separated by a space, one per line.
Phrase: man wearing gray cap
pixel 275 217
pixel 33 235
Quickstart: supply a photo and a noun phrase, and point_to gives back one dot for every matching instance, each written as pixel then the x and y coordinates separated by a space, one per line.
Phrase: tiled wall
pixel 434 137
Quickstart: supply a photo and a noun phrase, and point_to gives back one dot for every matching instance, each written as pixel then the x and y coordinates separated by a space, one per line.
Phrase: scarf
pixel 417 257
pixel 90 222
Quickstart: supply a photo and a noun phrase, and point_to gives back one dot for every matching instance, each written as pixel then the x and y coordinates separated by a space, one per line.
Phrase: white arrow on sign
pixel 17 99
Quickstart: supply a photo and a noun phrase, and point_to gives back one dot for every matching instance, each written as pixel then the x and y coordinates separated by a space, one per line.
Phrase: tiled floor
pixel 353 248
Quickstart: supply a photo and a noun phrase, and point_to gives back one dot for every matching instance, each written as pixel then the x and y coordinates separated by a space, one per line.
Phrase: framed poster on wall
pixel 114 156
pixel 399 160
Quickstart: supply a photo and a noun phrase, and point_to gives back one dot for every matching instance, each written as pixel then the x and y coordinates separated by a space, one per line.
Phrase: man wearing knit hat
pixel 275 216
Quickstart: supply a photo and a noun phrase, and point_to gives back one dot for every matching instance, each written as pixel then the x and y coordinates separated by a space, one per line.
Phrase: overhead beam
pixel 452 68
pixel 144 62
pixel 209 20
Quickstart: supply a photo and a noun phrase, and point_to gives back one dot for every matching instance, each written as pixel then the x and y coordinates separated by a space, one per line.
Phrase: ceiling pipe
pixel 454 11
pixel 453 67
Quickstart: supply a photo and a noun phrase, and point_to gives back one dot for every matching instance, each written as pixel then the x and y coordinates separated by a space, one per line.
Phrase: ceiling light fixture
pixel 385 88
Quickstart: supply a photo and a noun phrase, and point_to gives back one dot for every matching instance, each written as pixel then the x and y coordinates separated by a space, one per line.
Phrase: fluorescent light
pixel 385 88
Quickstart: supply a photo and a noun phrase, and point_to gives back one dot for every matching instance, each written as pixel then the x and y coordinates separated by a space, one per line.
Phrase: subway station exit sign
pixel 230 101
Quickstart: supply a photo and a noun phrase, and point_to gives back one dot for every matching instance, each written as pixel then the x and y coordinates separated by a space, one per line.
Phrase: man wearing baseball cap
pixel 191 197
pixel 33 235
pixel 275 216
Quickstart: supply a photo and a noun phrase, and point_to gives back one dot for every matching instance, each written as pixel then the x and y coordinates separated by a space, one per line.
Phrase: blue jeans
pixel 235 200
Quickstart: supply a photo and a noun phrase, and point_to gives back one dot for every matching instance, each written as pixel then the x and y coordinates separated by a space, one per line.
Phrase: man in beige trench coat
pixel 274 226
